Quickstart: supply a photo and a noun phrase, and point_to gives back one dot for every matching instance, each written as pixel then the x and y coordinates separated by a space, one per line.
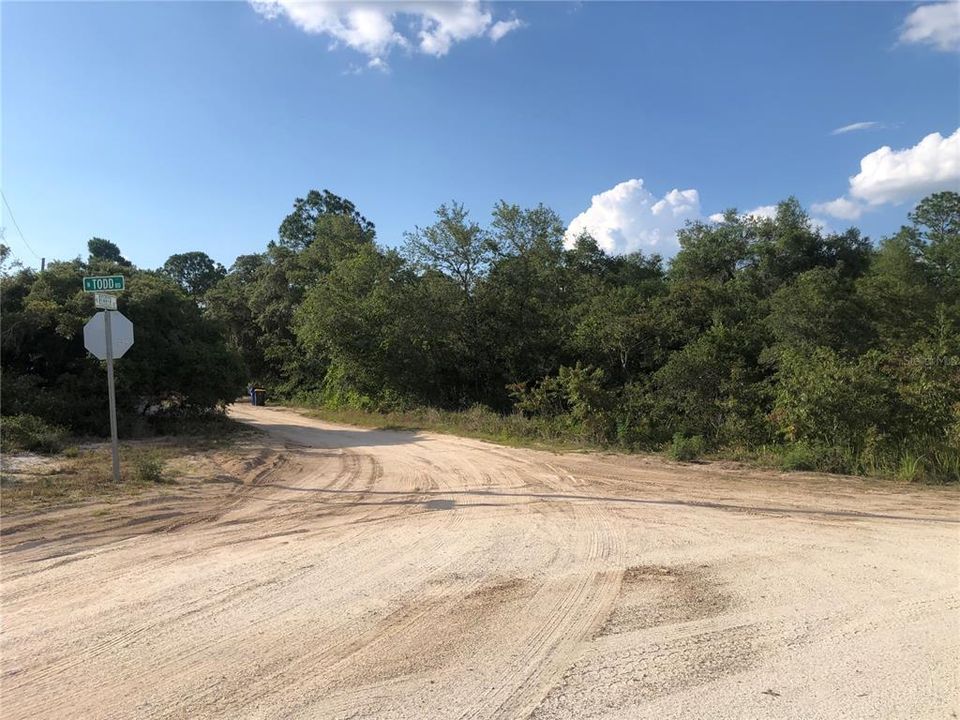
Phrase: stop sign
pixel 95 334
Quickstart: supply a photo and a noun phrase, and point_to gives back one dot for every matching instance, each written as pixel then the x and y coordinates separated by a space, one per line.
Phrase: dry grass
pixel 84 472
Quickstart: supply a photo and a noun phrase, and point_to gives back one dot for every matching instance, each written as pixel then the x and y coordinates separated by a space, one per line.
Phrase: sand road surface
pixel 375 574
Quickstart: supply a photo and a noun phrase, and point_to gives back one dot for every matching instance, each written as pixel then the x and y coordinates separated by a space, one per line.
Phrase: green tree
pixel 196 272
pixel 300 228
pixel 101 249
pixel 936 219
pixel 819 308
pixel 897 293
pixel 715 252
pixel 178 364
pixel 454 245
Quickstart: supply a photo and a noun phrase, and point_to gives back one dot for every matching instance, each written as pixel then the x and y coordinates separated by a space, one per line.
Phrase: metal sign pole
pixel 112 396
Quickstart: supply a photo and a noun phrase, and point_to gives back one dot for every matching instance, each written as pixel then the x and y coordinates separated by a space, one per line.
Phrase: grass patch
pixel 84 471
pixel 84 474
pixel 149 468
pixel 28 432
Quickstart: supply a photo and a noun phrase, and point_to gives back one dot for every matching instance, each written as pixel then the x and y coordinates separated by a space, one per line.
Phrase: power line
pixel 19 231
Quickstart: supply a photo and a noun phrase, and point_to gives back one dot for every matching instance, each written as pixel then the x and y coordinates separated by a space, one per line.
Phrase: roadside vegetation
pixel 34 476
pixel 770 340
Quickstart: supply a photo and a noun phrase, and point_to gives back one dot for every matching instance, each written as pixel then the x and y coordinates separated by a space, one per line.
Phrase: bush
pixel 799 457
pixel 148 468
pixel 946 464
pixel 687 449
pixel 910 468
pixel 28 432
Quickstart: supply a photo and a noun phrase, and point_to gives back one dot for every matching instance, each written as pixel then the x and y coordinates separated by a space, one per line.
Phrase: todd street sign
pixel 106 282
pixel 95 334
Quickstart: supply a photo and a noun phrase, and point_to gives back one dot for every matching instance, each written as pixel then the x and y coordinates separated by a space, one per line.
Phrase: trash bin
pixel 259 396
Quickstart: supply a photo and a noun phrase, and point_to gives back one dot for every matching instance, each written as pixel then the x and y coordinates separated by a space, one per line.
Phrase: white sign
pixel 95 334
pixel 105 302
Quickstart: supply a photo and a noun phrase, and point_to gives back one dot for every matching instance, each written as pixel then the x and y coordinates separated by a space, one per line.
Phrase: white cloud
pixel 502 27
pixel 375 28
pixel 840 208
pixel 852 127
pixel 937 24
pixel 628 217
pixel 893 176
pixel 445 23
pixel 890 176
pixel 764 212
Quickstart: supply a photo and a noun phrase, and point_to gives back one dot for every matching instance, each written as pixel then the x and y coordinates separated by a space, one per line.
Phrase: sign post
pixel 112 397
pixel 108 335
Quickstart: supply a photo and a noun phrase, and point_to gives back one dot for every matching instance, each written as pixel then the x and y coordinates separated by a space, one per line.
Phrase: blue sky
pixel 169 127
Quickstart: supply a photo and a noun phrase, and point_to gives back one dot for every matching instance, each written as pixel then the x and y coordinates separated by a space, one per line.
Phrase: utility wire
pixel 19 231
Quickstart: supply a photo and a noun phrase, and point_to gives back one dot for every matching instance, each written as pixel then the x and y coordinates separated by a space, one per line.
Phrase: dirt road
pixel 359 573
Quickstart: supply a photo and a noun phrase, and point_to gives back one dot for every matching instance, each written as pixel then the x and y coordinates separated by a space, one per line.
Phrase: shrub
pixel 946 464
pixel 799 456
pixel 686 449
pixel 910 468
pixel 148 468
pixel 28 432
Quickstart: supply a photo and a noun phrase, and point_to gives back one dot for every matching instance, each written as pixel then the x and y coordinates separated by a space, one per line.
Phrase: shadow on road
pixel 410 498
pixel 330 438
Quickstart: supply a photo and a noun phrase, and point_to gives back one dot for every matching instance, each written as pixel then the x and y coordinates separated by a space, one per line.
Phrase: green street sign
pixel 99 284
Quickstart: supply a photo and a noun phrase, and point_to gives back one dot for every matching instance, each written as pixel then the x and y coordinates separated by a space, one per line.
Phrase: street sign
pixel 98 284
pixel 95 337
pixel 104 301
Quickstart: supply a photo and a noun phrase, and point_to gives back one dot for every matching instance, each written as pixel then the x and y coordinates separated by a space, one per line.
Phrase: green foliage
pixel 799 456
pixel 179 364
pixel 148 467
pixel 819 349
pixel 937 221
pixel 195 272
pixel 763 337
pixel 686 449
pixel 910 468
pixel 819 308
pixel 576 396
pixel 106 251
pixel 28 432
pixel 823 398
pixel 306 224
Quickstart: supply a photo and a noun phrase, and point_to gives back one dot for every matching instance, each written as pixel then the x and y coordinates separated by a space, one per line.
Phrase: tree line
pixel 767 335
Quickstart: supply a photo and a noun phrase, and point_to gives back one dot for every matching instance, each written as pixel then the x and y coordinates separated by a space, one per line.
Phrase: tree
pixel 299 229
pixel 8 262
pixel 105 250
pixel 179 363
pixel 819 309
pixel 715 251
pixel 896 291
pixel 615 330
pixel 196 272
pixel 938 217
pixel 936 220
pixel 454 245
